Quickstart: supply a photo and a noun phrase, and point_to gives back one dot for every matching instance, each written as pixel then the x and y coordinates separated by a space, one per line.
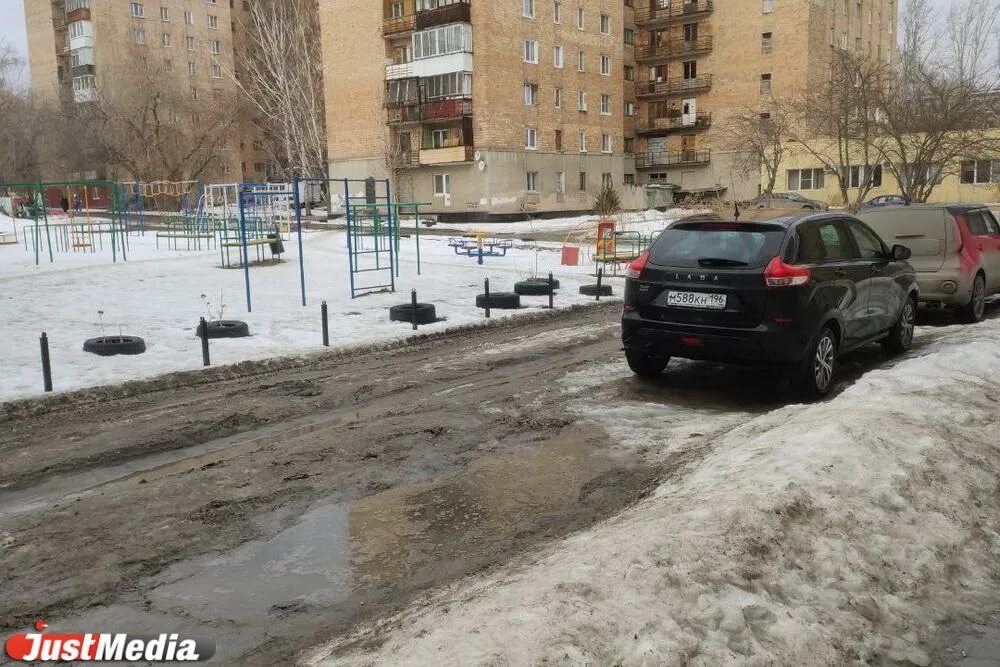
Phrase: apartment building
pixel 79 46
pixel 479 107
pixel 701 61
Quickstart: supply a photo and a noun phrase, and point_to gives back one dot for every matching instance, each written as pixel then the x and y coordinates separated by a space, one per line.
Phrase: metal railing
pixel 431 110
pixel 675 86
pixel 670 123
pixel 458 12
pixel 674 48
pixel 666 159
pixel 398 24
pixel 662 11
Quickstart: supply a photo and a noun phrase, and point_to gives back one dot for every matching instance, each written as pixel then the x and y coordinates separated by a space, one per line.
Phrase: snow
pixel 841 532
pixel 643 222
pixel 157 294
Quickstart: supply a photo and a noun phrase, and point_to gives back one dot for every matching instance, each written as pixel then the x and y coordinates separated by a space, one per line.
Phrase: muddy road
pixel 276 510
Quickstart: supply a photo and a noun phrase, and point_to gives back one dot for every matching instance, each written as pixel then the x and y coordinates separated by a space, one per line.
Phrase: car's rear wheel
pixel 975 310
pixel 645 365
pixel 816 374
pixel 900 338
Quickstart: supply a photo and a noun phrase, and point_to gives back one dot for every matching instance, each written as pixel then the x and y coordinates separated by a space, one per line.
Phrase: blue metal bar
pixel 302 259
pixel 350 250
pixel 243 243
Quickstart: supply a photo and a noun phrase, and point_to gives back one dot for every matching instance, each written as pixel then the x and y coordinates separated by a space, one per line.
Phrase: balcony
pixel 446 155
pixel 399 71
pixel 456 13
pixel 659 126
pixel 673 87
pixel 398 25
pixel 671 159
pixel 674 49
pixel 430 111
pixel 664 12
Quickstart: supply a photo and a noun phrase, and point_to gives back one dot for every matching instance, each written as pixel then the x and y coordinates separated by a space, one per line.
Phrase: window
pixel 605 143
pixel 690 69
pixel 558 98
pixel 581 101
pixel 859 176
pixel 581 61
pixel 139 36
pixel 765 42
pixel 768 6
pixel 605 24
pixel 532 183
pixel 165 40
pixel 440 41
pixel 559 146
pixel 867 242
pixel 439 138
pixel 629 36
pixel 188 17
pixel 213 46
pixel 442 184
pixel 629 146
pixel 164 13
pixel 557 56
pixel 629 109
pixel 528 8
pixel 629 72
pixel 530 94
pixel 530 138
pixel 137 10
pixel 765 84
pixel 168 65
pixel 530 51
pixel 192 69
pixel 629 179
pixel 921 173
pixel 583 181
pixel 213 22
pixel 980 171
pixel 583 141
pixel 579 18
pixel 397 10
pixel 607 180
pixel 822 242
pixel 194 93
pixel 605 105
pixel 216 71
pixel 606 65
pixel 805 179
pixel 80 29
pixel 560 182
pixel 189 43
pixel 557 12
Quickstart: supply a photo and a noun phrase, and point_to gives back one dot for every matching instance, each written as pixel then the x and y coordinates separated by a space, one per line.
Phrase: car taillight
pixel 779 274
pixel 636 268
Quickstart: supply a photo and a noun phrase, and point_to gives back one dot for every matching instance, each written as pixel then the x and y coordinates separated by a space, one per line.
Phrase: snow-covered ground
pixel 842 532
pixel 157 294
pixel 643 222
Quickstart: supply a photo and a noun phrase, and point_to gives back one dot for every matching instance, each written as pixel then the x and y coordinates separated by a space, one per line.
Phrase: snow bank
pixel 639 221
pixel 833 533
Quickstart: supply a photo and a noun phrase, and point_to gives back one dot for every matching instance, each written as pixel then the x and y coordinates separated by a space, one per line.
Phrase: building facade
pixel 77 47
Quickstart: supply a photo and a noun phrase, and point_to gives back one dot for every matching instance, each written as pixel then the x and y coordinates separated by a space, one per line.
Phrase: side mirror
pixel 901 253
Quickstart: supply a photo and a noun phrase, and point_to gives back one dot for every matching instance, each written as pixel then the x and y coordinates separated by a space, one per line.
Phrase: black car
pixel 795 292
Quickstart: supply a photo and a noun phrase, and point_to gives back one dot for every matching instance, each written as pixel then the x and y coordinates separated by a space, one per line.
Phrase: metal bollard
pixel 487 298
pixel 203 334
pixel 325 316
pixel 46 362
pixel 551 293
pixel 600 279
pixel 413 311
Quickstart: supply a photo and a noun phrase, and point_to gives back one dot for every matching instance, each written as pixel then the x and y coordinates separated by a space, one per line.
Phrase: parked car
pixel 790 200
pixel 885 200
pixel 956 252
pixel 795 292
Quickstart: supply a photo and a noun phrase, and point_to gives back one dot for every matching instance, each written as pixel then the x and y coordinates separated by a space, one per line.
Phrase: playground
pixel 166 282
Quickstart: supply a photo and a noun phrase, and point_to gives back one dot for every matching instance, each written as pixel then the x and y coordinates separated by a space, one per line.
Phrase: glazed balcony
pixel 661 13
pixel 672 158
pixel 398 25
pixel 659 126
pixel 430 111
pixel 459 12
pixel 674 49
pixel 673 87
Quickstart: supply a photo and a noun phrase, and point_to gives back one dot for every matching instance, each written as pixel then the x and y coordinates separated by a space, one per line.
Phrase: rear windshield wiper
pixel 720 261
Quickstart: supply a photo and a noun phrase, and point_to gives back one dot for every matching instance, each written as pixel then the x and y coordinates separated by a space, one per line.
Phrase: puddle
pixel 416 534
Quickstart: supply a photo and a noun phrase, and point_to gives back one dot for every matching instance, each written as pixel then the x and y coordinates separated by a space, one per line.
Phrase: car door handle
pixel 840 272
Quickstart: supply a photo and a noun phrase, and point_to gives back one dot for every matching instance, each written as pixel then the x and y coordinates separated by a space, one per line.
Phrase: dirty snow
pixel 839 532
pixel 639 221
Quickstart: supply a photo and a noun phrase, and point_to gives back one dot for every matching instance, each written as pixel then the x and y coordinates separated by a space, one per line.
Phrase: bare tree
pixel 282 77
pixel 758 140
pixel 21 124
pixel 837 123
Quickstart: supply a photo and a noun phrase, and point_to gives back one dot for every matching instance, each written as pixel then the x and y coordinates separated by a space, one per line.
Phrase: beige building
pixel 699 61
pixel 76 47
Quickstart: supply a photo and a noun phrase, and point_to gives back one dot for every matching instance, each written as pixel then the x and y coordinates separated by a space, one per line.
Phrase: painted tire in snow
pixel 500 300
pixel 595 290
pixel 535 287
pixel 426 313
pixel 111 346
pixel 228 329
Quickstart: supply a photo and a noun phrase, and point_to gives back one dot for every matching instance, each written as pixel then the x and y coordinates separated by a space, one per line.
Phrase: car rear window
pixel 717 245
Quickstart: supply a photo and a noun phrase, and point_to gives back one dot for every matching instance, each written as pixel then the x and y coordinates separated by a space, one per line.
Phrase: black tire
pixel 644 365
pixel 426 313
pixel 818 371
pixel 500 300
pixel 535 287
pixel 111 346
pixel 975 310
pixel 595 290
pixel 900 338
pixel 228 329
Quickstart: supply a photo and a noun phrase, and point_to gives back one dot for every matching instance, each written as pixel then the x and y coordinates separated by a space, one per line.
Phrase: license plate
pixel 696 300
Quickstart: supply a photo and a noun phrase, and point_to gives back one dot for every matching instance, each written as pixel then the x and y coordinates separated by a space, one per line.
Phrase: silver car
pixel 789 200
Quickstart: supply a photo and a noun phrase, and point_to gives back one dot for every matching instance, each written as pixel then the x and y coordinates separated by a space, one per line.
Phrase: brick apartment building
pixel 76 46
pixel 528 106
